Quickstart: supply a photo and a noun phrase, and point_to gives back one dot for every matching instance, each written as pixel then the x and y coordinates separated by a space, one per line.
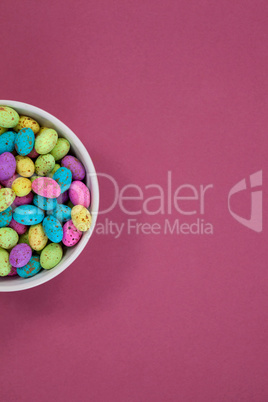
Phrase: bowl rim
pixel 35 281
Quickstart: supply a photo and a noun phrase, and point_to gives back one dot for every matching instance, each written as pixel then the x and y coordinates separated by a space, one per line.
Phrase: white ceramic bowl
pixel 77 148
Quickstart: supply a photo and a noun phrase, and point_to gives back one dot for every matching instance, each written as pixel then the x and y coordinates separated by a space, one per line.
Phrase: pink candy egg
pixel 79 194
pixel 46 187
pixel 13 272
pixel 27 199
pixel 8 182
pixel 18 227
pixel 33 154
pixel 71 235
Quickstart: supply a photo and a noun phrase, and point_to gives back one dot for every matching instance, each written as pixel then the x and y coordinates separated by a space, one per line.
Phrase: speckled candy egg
pixel 18 227
pixel 45 140
pixel 37 237
pixel 13 272
pixel 8 182
pixel 24 142
pixel 24 166
pixel 63 177
pixel 20 255
pixel 8 117
pixel 7 165
pixel 28 215
pixel 27 122
pixel 61 149
pixel 8 238
pixel 27 199
pixel 44 164
pixel 7 196
pixel 5 217
pixel 45 203
pixel 3 130
pixel 46 187
pixel 63 198
pixel 51 255
pixel 30 269
pixel 75 166
pixel 33 154
pixel 53 229
pixel 24 238
pixel 21 186
pixel 56 167
pixel 71 235
pixel 61 212
pixel 79 194
pixel 81 218
pixel 5 266
pixel 7 142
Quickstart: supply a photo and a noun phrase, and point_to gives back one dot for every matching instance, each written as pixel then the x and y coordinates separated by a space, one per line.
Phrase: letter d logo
pixel 255 221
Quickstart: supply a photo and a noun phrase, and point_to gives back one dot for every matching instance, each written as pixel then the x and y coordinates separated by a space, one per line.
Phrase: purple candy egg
pixel 20 255
pixel 63 198
pixel 7 165
pixel 75 166
pixel 27 199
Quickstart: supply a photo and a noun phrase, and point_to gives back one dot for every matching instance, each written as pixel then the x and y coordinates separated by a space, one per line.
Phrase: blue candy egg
pixel 62 213
pixel 5 217
pixel 7 142
pixel 30 269
pixel 24 142
pixel 63 177
pixel 28 215
pixel 53 229
pixel 44 203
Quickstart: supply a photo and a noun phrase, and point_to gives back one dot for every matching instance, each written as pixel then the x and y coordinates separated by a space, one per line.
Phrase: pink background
pixel 148 86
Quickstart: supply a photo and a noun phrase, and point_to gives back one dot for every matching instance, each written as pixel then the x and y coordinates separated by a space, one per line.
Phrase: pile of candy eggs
pixel 44 202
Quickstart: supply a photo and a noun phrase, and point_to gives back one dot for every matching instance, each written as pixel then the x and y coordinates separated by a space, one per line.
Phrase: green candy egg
pixel 8 238
pixel 70 204
pixel 2 130
pixel 24 238
pixel 5 266
pixel 34 177
pixel 8 117
pixel 61 149
pixel 45 140
pixel 7 196
pixel 44 164
pixel 56 167
pixel 51 255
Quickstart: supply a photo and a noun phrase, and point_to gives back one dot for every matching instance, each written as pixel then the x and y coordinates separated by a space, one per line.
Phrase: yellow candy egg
pixel 25 166
pixel 81 218
pixel 2 130
pixel 21 186
pixel 37 237
pixel 26 121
